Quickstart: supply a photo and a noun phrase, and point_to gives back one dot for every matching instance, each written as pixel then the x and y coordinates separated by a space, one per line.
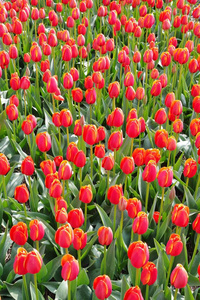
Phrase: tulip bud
pixel 36 230
pixel 105 235
pixel 134 206
pixel 55 189
pixel 127 165
pixel 115 193
pixel 179 277
pixel 76 217
pixel 19 233
pixel 174 246
pixel 190 168
pixel 172 194
pixel 43 141
pixel 149 273
pixel 64 236
pixel 102 285
pixel 70 267
pixel 80 239
pixel 141 223
pixel 33 262
pixel 85 194
pixel 138 253
pixel 149 173
pixel 165 176
pixel 108 162
pixel 4 164
pixel 21 193
pixel 133 293
pixel 19 262
pixel 180 215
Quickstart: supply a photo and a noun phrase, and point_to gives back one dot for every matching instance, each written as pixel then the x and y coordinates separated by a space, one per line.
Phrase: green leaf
pixel 104 217
pixel 188 293
pixel 161 269
pixel 51 268
pixel 62 291
pixel 33 295
pixel 110 260
pixel 82 278
pixel 2 243
pixel 125 287
pixel 164 226
pixel 88 247
pixel 84 292
pixel 15 290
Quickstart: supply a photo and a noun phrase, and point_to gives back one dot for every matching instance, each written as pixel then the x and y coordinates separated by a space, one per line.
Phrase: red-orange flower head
pixel 36 53
pixel 4 164
pixel 114 194
pixel 77 95
pixel 165 59
pixel 102 285
pixel 19 233
pixel 21 193
pixel 138 253
pixel 174 246
pixel 19 262
pixel 139 156
pixel 80 239
pixel 133 128
pixel 43 141
pixel 156 88
pixel 105 235
pixel 115 140
pixel 190 168
pixel 165 176
pixel 65 170
pixel 149 173
pixel 161 138
pixel 114 89
pixel 90 134
pixel 55 189
pixel 64 236
pixel 160 116
pixel 36 230
pixel 76 217
pixel 70 267
pixel 85 194
pixel 179 277
pixel 149 273
pixel 180 215
pixel 108 162
pixel 133 293
pixel 141 223
pixel 133 207
pixel 127 165
pixel 116 118
pixel 33 262
pixel 196 224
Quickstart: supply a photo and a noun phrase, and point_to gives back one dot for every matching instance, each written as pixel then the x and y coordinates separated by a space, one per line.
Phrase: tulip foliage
pixel 99 149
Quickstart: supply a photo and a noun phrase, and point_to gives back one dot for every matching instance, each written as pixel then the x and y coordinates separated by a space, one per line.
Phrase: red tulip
pixel 102 286
pixel 36 230
pixel 114 194
pixel 70 267
pixel 4 164
pixel 33 262
pixel 134 206
pixel 19 233
pixel 161 138
pixel 85 194
pixel 108 162
pixel 174 246
pixel 133 293
pixel 179 277
pixel 19 262
pixel 105 235
pixel 43 141
pixel 127 165
pixel 149 173
pixel 12 112
pixel 64 236
pixel 90 134
pixel 165 176
pixel 138 254
pixel 190 168
pixel 115 140
pixel 149 273
pixel 196 224
pixel 65 170
pixel 80 239
pixel 76 217
pixel 180 215
pixel 21 193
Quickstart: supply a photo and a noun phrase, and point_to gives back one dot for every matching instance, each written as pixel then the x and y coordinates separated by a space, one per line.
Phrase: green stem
pixel 132 141
pixel 4 187
pixel 196 189
pixel 36 288
pixel 147 292
pixel 90 113
pixel 104 260
pixel 175 295
pixel 137 178
pixel 114 219
pixel 45 155
pixel 67 136
pixel 108 173
pixel 194 253
pixel 168 159
pixel 122 220
pixel 114 162
pixel 113 103
pixel 25 212
pixel 147 197
pixel 79 258
pixel 169 271
pixel 91 160
pixel 161 209
pixel 137 277
pixel 85 226
pixel 63 187
pixel 186 185
pixel 125 184
pixel 25 286
pixel 29 143
pixel 14 135
pixel 179 83
pixel 69 290
pixel 37 245
pixel 132 231
pixel 80 175
pixel 24 103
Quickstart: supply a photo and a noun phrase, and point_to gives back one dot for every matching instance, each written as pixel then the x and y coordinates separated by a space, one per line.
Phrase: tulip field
pixel 99 149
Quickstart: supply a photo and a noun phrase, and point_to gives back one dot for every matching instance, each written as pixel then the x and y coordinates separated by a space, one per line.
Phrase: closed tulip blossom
pixel 102 286
pixel 161 138
pixel 70 267
pixel 19 233
pixel 36 230
pixel 85 194
pixel 105 235
pixel 133 293
pixel 114 194
pixel 80 239
pixel 190 168
pixel 21 193
pixel 19 262
pixel 43 141
pixel 4 164
pixel 149 273
pixel 138 253
pixel 127 165
pixel 27 166
pixel 179 277
pixel 115 140
pixel 149 173
pixel 180 215
pixel 174 246
pixel 108 162
pixel 76 217
pixel 165 176
pixel 160 116
pixel 55 189
pixel 64 236
pixel 141 223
